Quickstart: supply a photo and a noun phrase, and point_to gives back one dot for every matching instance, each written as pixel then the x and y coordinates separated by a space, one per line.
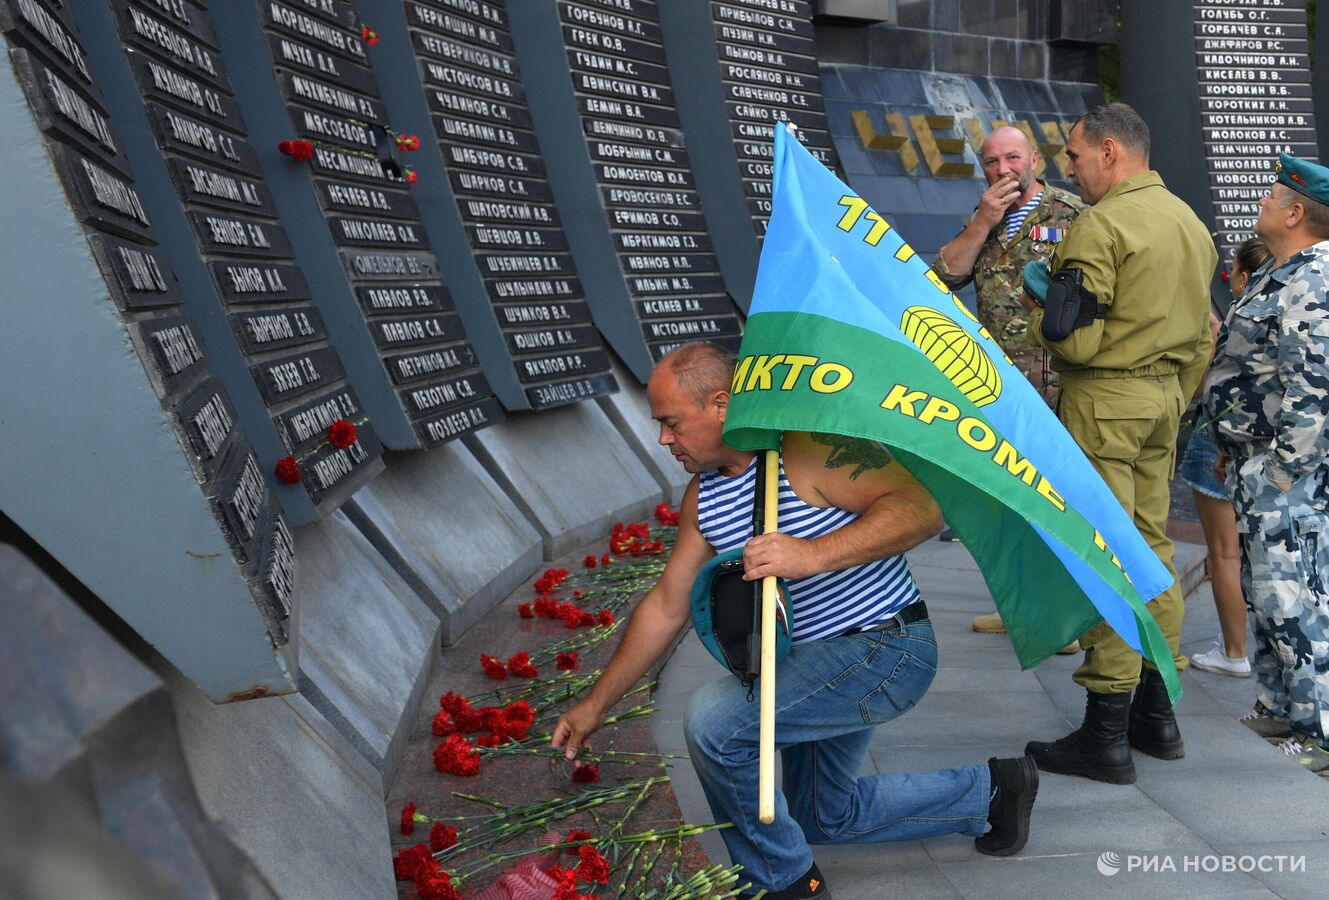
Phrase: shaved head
pixel 1003 137
pixel 701 368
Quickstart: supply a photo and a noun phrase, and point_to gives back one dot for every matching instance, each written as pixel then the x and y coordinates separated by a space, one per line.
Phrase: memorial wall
pixel 755 68
pixel 378 283
pixel 160 483
pixel 1253 63
pixel 623 175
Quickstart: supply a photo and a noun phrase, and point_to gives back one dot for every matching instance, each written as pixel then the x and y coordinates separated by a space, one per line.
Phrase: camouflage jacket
pixel 1268 389
pixel 998 273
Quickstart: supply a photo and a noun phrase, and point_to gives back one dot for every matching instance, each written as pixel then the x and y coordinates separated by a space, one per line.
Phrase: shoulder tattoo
pixel 847 451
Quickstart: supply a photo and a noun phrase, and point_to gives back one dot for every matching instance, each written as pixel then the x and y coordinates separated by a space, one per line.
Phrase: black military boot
pixel 810 885
pixel 1014 787
pixel 1097 749
pixel 1153 727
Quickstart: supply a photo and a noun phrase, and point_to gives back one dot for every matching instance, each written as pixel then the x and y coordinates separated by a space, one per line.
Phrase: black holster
pixel 1068 305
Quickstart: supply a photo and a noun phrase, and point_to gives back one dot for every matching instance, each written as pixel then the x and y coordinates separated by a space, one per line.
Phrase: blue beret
pixel 1036 279
pixel 1305 178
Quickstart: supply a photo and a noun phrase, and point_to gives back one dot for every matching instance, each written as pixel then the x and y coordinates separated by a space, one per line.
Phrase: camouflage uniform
pixel 998 277
pixel 1268 396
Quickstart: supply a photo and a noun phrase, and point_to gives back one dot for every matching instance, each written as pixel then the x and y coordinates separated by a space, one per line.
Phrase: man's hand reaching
pixel 575 726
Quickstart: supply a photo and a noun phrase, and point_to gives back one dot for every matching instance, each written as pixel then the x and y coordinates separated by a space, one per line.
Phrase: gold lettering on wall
pixel 897 140
pixel 1050 139
pixel 925 128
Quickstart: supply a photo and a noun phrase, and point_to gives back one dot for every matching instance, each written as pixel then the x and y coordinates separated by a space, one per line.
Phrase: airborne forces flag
pixel 850 332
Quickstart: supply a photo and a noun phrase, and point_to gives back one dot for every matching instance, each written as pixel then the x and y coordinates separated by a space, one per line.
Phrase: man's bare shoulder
pixel 855 455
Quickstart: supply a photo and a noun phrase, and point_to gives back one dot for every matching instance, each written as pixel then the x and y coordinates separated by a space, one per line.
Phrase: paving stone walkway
pixel 1232 795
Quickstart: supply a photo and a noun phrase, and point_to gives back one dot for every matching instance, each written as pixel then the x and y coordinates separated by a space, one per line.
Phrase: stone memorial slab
pixel 45 29
pixel 201 185
pixel 139 276
pixel 569 502
pixel 92 741
pixel 618 138
pixel 258 282
pixel 179 133
pixel 495 200
pixel 1252 64
pixel 765 74
pixel 460 564
pixel 369 642
pixel 302 770
pixel 63 113
pixel 98 311
pixel 362 292
pixel 184 52
pixel 215 191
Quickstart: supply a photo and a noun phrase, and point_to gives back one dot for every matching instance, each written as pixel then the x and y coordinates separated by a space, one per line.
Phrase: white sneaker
pixel 1215 660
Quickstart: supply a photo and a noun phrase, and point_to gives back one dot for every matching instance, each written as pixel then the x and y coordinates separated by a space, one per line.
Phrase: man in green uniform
pixel 1127 324
pixel 1018 219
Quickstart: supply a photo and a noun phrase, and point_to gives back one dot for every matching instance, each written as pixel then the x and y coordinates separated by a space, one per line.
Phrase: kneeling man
pixel 863 647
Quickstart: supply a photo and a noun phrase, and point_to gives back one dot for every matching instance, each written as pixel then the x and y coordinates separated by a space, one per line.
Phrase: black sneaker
pixel 948 536
pixel 1016 784
pixel 810 885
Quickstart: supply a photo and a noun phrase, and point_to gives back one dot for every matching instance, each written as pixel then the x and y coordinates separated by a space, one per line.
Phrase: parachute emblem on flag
pixel 951 349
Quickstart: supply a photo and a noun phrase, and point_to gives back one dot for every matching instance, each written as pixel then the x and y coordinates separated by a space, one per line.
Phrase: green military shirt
pixel 1146 256
pixel 998 273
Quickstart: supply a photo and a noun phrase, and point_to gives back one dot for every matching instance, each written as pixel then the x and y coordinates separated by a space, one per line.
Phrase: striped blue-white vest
pixel 825 605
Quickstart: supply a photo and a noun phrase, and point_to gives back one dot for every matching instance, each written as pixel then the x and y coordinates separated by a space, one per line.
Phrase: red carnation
pixel 442 836
pixel 604 560
pixel 567 885
pixel 408 818
pixel 408 142
pixel 586 620
pixel 576 834
pixel 453 702
pixel 442 724
pixel 489 740
pixel 589 561
pixel 493 668
pixel 567 661
pixel 341 434
pixel 520 665
pixel 519 714
pixel 436 886
pixel 546 607
pixel 287 470
pixel 456 756
pixel 604 617
pixel 1223 276
pixel 409 861
pixel 368 35
pixel 411 177
pixel 297 150
pixel 587 774
pixel 593 866
pixel 525 611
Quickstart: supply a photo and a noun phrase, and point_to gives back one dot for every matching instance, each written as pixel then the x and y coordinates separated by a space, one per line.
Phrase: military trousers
pixel 1284 560
pixel 1127 427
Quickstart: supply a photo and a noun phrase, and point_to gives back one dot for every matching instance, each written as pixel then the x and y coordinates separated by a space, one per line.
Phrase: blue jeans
pixel 829 696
